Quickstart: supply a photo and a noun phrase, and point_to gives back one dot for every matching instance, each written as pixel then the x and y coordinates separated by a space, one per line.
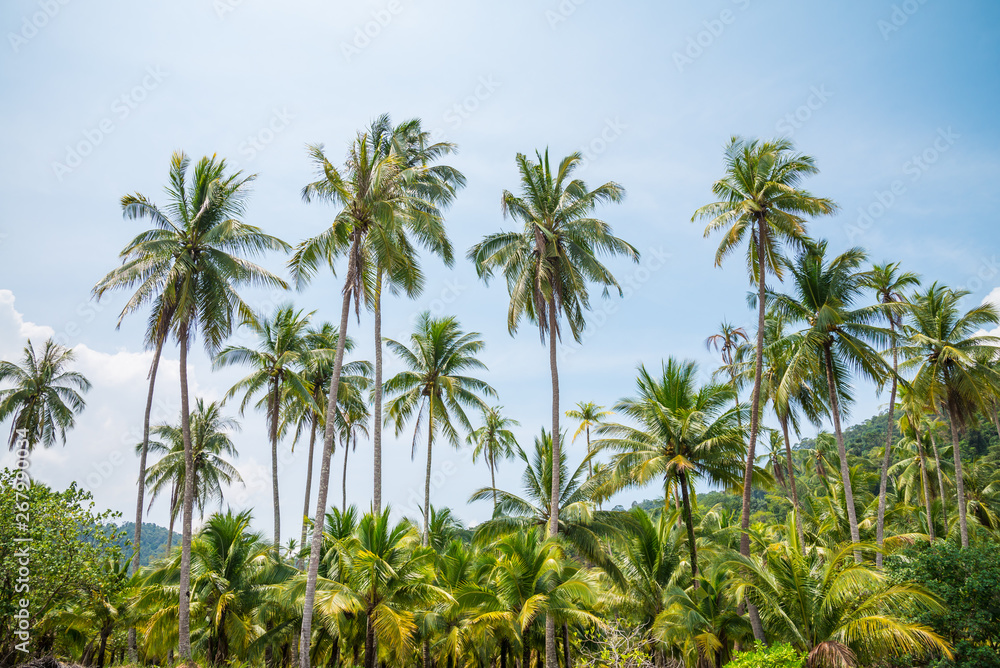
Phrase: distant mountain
pixel 154 541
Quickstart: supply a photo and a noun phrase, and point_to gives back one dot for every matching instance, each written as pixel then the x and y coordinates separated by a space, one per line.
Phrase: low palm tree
pixel 951 363
pixel 45 397
pixel 681 433
pixel 760 201
pixel 275 362
pixel 435 385
pixel 841 614
pixel 589 415
pixel 212 443
pixel 494 440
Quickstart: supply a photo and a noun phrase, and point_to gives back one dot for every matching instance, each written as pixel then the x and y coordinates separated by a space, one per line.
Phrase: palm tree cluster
pixel 552 576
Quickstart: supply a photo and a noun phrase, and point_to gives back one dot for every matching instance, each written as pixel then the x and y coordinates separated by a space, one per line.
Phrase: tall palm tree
pixel 190 264
pixel 590 415
pixel 212 443
pixel 888 283
pixel 353 414
pixel 437 184
pixel 760 200
pixel 682 432
pixel 842 615
pixel 952 365
pixel 494 440
pixel 910 428
pixel 377 204
pixel 547 266
pixel 836 334
pixel 435 385
pixel 275 362
pixel 45 395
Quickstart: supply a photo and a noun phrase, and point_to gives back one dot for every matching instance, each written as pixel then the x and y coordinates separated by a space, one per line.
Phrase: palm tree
pixel 44 398
pixel 842 615
pixel 494 440
pixel 432 183
pixel 590 415
pixel 353 414
pixel 836 334
pixel 378 202
pixel 548 266
pixel 275 362
pixel 683 432
pixel 190 265
pixel 888 284
pixel 761 201
pixel 910 431
pixel 211 440
pixel 586 529
pixel 952 365
pixel 434 384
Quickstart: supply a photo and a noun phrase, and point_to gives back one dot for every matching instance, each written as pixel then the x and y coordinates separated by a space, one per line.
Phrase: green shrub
pixel 779 655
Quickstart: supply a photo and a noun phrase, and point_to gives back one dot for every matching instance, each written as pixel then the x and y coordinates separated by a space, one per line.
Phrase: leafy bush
pixel 779 655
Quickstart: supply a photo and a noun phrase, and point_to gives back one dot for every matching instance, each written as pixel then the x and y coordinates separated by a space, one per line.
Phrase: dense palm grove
pixel 825 553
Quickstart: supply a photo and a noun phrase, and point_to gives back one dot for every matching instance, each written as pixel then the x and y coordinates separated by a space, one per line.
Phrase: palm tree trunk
pixel 567 663
pixel 174 500
pixel 427 480
pixel 309 475
pixel 184 605
pixel 493 481
pixel 525 654
pixel 791 483
pixel 377 417
pixel 324 476
pixel 940 477
pixel 370 641
pixel 959 478
pixel 133 654
pixel 275 398
pixel 590 464
pixel 758 627
pixel 503 653
pixel 996 418
pixel 845 471
pixel 551 659
pixel 884 480
pixel 923 481
pixel 347 447
pixel 689 523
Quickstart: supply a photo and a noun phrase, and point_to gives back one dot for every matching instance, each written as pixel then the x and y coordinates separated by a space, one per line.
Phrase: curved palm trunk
pixel 689 522
pixel 324 476
pixel 927 489
pixel 758 627
pixel 551 658
pixel 137 536
pixel 959 477
pixel 174 500
pixel 309 475
pixel 940 477
pixel 884 480
pixel 274 462
pixel 845 471
pixel 791 483
pixel 184 606
pixel 377 410
pixel 493 480
pixel 427 480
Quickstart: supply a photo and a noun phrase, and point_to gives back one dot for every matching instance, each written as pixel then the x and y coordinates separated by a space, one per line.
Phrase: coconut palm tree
pixel 275 361
pixel 378 204
pixel 44 398
pixel 760 201
pixel 681 433
pixel 435 385
pixel 212 442
pixel 590 415
pixel 837 334
pixel 888 283
pixel 353 414
pixel 951 363
pixel 429 182
pixel 548 265
pixel 841 614
pixel 494 440
pixel 190 265
pixel 586 529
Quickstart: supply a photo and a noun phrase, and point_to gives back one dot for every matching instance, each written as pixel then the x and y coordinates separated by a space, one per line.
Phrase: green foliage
pixel 154 540
pixel 778 655
pixel 968 583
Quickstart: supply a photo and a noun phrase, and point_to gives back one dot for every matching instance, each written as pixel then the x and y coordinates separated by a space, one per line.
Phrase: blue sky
pixel 895 100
